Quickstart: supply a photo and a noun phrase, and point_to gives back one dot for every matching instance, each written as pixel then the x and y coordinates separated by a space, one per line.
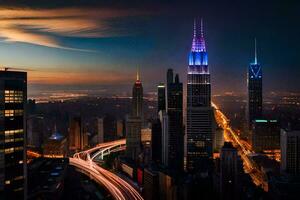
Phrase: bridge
pixel 85 161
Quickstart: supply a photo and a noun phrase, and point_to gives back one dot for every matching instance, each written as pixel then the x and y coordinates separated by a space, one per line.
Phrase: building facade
pixel 13 96
pixel 254 82
pixel 290 152
pixel 161 97
pixel 265 135
pixel 134 122
pixel 199 110
pixel 230 169
pixel 78 139
pixel 175 124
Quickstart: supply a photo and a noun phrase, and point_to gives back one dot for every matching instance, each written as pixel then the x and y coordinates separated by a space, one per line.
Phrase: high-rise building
pixel 100 130
pixel 230 166
pixel 134 122
pixel 35 131
pixel 151 184
pixel 290 152
pixel 199 110
pixel 137 98
pixel 156 141
pixel 109 128
pixel 175 124
pixel 78 138
pixel 170 76
pixel 254 81
pixel 161 97
pixel 13 96
pixel 164 121
pixel 218 139
pixel 75 132
pixel 120 128
pixel 265 135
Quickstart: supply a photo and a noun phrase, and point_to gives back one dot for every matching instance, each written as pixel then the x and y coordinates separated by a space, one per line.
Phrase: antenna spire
pixel 201 27
pixel 138 74
pixel 255 52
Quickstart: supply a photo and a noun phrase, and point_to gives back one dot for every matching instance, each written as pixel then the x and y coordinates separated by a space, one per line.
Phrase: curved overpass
pixel 118 188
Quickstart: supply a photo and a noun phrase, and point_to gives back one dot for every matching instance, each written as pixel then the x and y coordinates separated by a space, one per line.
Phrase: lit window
pixel 13 96
pixel 12 113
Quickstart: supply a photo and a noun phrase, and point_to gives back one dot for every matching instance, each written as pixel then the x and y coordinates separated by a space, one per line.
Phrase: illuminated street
pixel 118 188
pixel 243 147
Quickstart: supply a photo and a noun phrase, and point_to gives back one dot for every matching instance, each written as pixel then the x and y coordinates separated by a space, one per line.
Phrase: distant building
pixel 218 139
pixel 167 189
pixel 161 97
pixel 13 97
pixel 175 123
pixel 151 184
pixel 156 141
pixel 164 121
pixel 78 139
pixel 120 129
pixel 134 122
pixel 35 131
pixel 254 81
pixel 199 111
pixel 137 98
pixel 146 134
pixel 56 146
pixel 230 166
pixel 109 128
pixel 100 131
pixel 290 152
pixel 265 135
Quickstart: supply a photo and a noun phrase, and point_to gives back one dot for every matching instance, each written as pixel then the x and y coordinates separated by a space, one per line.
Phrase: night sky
pixel 85 44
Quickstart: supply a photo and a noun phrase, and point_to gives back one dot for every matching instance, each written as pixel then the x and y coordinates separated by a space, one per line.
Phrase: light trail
pixel 118 188
pixel 243 147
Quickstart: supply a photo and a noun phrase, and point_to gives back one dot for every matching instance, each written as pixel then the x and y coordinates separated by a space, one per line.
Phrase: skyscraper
pixel 156 141
pixel 13 96
pixel 77 136
pixel 134 121
pixel 254 81
pixel 290 152
pixel 161 97
pixel 175 124
pixel 230 166
pixel 199 110
pixel 137 98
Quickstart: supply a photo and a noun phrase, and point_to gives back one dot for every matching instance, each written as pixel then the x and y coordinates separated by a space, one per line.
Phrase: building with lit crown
pixel 199 111
pixel 254 82
pixel 134 122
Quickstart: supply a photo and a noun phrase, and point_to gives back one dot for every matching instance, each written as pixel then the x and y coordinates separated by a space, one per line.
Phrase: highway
pixel 118 188
pixel 243 147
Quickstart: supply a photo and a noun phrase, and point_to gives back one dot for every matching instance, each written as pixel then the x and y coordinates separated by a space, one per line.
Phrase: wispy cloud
pixel 44 26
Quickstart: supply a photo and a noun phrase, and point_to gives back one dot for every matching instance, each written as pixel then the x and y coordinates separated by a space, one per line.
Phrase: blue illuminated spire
pixel 198 54
pixel 198 44
pixel 255 52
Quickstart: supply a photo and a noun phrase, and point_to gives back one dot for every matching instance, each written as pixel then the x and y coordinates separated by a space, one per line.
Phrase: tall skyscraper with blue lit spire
pixel 254 90
pixel 199 110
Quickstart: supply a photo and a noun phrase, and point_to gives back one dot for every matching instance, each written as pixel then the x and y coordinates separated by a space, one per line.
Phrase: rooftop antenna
pixel 255 52
pixel 138 74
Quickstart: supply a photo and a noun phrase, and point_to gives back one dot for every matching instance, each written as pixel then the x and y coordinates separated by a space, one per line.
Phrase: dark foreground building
pixel 13 96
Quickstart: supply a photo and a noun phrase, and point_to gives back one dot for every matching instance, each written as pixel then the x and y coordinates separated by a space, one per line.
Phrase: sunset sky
pixel 83 44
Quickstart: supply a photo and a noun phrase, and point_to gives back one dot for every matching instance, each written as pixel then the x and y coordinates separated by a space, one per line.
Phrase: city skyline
pixel 103 47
